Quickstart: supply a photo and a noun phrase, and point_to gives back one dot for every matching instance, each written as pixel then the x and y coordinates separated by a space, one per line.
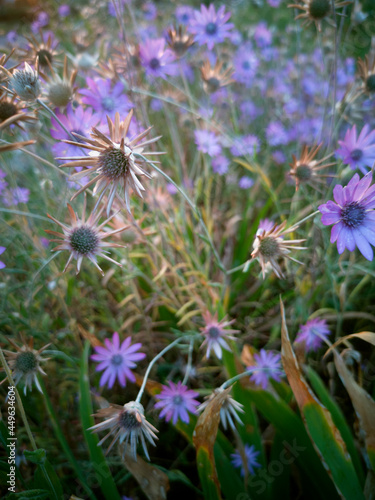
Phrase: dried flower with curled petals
pixel 126 423
pixel 228 411
pixel 269 246
pixel 315 11
pixel 113 160
pixel 306 168
pixel 84 238
pixel 214 78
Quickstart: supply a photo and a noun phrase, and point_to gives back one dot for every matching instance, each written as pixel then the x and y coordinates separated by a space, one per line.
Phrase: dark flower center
pixel 177 400
pixel 129 421
pixel 116 360
pixel 370 83
pixel 108 104
pixel 114 163
pixel 84 240
pixel 353 214
pixel 154 63
pixel 318 9
pixel 7 109
pixel 303 172
pixel 77 139
pixel 269 247
pixel 211 28
pixel 213 84
pixel 356 154
pixel 26 362
pixel 44 56
pixel 246 65
pixel 214 332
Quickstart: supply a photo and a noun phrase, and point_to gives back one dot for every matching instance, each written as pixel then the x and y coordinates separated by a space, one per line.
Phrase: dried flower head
pixel 270 246
pixel 179 40
pixel 4 73
pixel 11 112
pixel 216 334
pixel 60 91
pixel 228 411
pixel 315 11
pixel 214 78
pixel 84 238
pixel 305 168
pixel 43 50
pixel 366 69
pixel 113 160
pixel 25 363
pixel 24 82
pixel 126 423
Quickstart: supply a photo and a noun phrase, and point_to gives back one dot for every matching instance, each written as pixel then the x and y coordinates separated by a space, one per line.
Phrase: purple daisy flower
pixel 352 215
pixel 76 120
pixel 262 35
pixel 105 99
pixel 245 65
pixel 251 459
pixel 245 182
pixel 2 250
pixel 184 14
pixel 220 164
pixel 358 152
pixel 276 134
pixel 217 334
pixel 156 59
pixel 116 360
pixel 15 196
pixel 176 401
pixel 267 365
pixel 312 332
pixel 210 27
pixel 63 10
pixel 207 142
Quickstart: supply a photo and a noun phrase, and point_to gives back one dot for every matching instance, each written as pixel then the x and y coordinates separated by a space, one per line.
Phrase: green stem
pixel 60 436
pixel 297 224
pixel 192 205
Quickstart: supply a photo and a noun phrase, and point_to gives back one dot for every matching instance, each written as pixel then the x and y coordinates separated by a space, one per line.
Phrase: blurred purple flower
pixel 14 196
pixel 358 152
pixel 249 111
pixel 184 14
pixel 2 250
pixel 217 334
pixel 262 35
pixel 245 182
pixel 276 134
pixel 279 157
pixel 274 3
pixel 251 459
pixel 105 99
pixel 210 27
pixel 76 120
pixel 176 401
pixel 245 145
pixel 265 225
pixel 171 188
pixel 149 11
pixel 207 142
pixel 116 360
pixel 245 65
pixel 63 10
pixel 156 59
pixel 220 164
pixel 310 334
pixel 267 365
pixel 352 215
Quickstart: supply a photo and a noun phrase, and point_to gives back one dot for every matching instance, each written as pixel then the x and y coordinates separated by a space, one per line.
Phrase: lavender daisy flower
pixel 210 27
pixel 104 98
pixel 15 196
pixel 352 215
pixel 262 35
pixel 251 459
pixel 313 333
pixel 2 250
pixel 245 65
pixel 276 134
pixel 184 14
pixel 215 334
pixel 220 164
pixel 207 142
pixel 79 121
pixel 358 152
pixel 267 366
pixel 245 182
pixel 156 59
pixel 176 401
pixel 116 360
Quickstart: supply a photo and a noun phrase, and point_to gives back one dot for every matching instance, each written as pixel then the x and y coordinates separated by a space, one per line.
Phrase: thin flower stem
pixel 194 208
pixel 19 400
pixel 153 361
pixel 246 265
pixel 24 214
pixel 297 224
pixel 189 363
pixel 237 377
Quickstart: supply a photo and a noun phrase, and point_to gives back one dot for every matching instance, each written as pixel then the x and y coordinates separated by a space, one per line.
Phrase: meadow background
pixel 193 270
